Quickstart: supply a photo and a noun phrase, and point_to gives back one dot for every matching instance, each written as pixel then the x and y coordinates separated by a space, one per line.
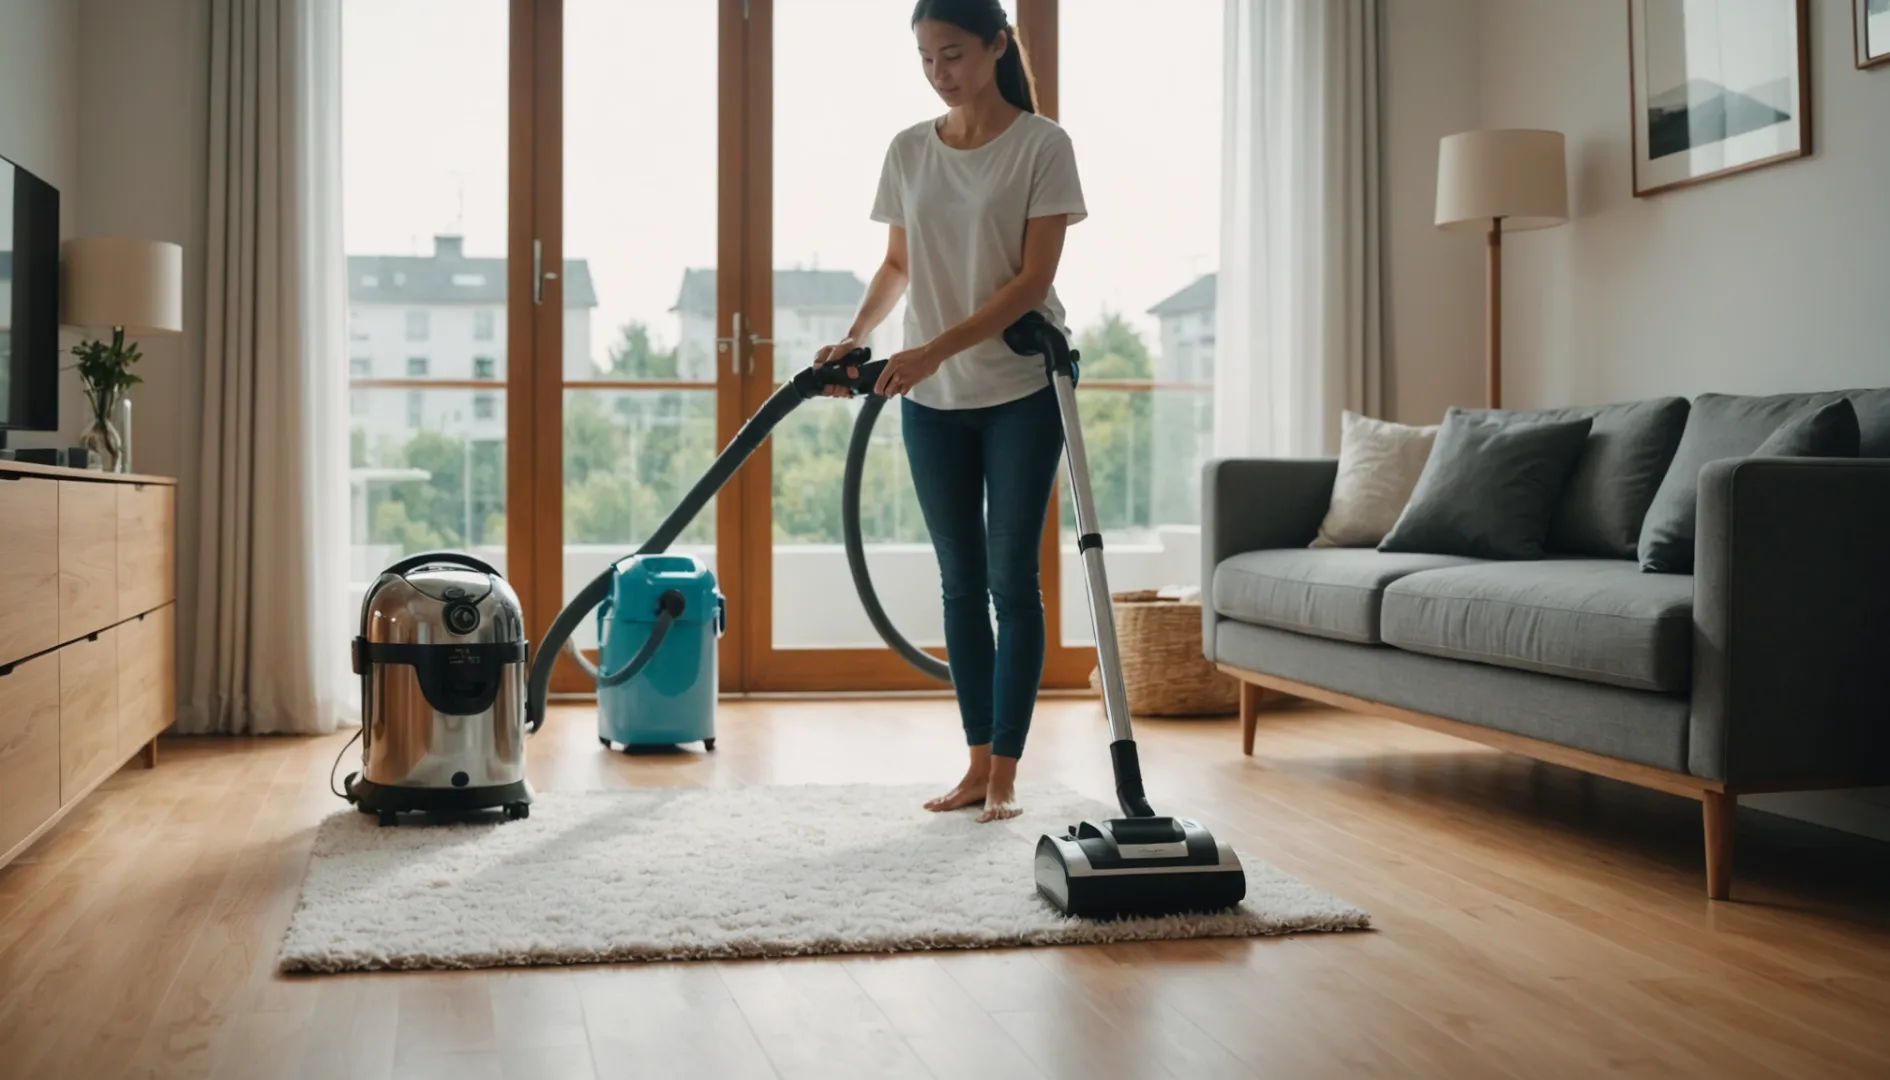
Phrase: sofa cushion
pixel 1379 464
pixel 1331 592
pixel 1873 421
pixel 1727 426
pixel 1620 468
pixel 1818 431
pixel 1490 486
pixel 1633 725
pixel 1599 620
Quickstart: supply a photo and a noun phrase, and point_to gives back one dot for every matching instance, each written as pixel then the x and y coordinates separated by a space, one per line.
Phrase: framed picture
pixel 1871 22
pixel 1718 87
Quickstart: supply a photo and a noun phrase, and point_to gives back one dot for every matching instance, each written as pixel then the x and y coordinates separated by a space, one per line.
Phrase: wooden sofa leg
pixel 1716 810
pixel 149 753
pixel 1250 698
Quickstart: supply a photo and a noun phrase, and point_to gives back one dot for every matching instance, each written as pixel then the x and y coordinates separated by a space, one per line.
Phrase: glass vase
pixel 103 441
pixel 123 462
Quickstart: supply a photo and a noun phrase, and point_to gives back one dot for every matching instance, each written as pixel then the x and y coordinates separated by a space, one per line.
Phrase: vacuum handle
pixel 811 381
pixel 412 562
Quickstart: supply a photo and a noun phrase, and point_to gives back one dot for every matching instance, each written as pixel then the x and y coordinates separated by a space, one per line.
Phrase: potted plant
pixel 105 369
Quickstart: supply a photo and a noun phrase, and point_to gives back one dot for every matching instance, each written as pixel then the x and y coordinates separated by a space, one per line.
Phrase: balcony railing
pixel 633 446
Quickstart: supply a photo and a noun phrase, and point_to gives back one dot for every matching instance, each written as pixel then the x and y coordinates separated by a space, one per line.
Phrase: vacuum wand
pixel 1031 335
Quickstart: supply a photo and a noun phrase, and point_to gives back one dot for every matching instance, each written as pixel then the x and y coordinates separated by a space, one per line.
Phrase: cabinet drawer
pixel 29 567
pixel 147 680
pixel 146 552
pixel 88 713
pixel 88 557
pixel 29 748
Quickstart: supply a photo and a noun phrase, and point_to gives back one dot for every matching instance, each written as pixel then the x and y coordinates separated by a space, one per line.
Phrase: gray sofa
pixel 1765 669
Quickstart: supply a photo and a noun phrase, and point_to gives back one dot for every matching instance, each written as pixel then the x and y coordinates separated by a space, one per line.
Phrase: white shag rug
pixel 702 873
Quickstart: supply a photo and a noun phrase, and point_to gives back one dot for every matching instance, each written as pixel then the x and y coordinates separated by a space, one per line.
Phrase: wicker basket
pixel 1162 666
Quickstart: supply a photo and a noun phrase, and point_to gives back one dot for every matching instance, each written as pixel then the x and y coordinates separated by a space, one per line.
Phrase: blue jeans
pixel 983 478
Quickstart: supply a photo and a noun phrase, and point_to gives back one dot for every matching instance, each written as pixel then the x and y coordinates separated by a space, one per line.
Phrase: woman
pixel 976 203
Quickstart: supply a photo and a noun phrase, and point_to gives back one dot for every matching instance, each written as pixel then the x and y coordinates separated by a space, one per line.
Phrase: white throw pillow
pixel 1379 465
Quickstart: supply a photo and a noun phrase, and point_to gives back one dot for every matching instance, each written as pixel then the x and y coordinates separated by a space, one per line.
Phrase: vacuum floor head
pixel 1148 866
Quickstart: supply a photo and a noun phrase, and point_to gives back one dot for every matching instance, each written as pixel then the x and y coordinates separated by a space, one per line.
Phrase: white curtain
pixel 1298 312
pixel 270 654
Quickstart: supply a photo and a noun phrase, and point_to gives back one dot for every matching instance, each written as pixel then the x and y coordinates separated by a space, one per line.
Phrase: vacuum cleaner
pixel 441 655
pixel 1140 864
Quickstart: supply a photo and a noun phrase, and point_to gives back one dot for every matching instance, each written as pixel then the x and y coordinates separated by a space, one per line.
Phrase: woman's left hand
pixel 907 369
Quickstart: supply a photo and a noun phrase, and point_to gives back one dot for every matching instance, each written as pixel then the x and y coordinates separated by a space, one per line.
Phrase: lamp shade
pixel 112 281
pixel 1520 176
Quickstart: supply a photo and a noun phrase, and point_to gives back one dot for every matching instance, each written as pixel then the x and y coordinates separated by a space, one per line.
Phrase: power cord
pixel 344 750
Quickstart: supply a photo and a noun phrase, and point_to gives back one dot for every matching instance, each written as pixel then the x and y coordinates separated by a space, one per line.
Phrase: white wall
pixel 1769 281
pixel 1772 280
pixel 39 94
pixel 1433 279
pixel 142 137
pixel 39 130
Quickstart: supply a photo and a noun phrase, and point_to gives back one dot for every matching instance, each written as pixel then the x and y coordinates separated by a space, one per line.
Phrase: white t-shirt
pixel 964 213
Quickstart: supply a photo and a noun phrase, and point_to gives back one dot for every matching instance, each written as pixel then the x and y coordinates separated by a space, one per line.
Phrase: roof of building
pixel 1198 295
pixel 792 289
pixel 449 276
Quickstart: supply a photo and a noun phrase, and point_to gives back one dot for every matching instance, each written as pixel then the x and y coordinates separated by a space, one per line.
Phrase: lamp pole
pixel 1493 351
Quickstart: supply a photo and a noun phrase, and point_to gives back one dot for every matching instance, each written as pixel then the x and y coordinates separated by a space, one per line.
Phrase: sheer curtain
pixel 1298 313
pixel 270 654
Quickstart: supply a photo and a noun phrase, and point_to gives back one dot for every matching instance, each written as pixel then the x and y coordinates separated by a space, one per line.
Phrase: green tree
pixel 1112 349
pixel 633 357
pixel 1116 425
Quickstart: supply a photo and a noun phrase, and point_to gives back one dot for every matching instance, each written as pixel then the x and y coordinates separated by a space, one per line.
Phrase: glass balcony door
pixel 588 239
pixel 437 336
pixel 648 210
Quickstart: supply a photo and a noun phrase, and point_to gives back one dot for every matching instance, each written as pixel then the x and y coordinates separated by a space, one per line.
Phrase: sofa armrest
pixel 1791 622
pixel 1250 504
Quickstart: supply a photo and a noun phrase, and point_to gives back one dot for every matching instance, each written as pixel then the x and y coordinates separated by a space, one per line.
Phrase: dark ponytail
pixel 987 20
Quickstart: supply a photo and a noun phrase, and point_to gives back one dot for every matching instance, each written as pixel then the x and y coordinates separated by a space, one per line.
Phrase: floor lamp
pixel 1500 181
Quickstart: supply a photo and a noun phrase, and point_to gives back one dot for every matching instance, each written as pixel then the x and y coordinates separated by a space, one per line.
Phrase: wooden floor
pixel 1531 922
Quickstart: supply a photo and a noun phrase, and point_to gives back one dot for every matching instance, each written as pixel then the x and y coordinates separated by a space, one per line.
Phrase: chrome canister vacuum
pixel 441 656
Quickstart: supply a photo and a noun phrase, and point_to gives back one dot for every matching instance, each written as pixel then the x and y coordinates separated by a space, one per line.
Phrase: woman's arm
pixel 884 291
pixel 1043 249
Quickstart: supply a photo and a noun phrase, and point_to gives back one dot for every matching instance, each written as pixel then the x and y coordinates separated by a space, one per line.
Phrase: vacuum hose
pixel 669 609
pixel 856 373
pixel 856 547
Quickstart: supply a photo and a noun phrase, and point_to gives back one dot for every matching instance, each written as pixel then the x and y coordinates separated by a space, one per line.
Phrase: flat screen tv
pixel 29 302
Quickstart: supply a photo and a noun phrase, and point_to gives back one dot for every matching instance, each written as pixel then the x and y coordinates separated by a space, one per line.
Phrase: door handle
pixel 754 340
pixel 733 341
pixel 539 274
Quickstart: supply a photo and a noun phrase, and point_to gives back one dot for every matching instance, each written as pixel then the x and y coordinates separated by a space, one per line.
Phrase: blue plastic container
pixel 672 700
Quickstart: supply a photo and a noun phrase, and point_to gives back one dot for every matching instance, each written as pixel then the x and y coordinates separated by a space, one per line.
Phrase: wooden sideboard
pixel 88 636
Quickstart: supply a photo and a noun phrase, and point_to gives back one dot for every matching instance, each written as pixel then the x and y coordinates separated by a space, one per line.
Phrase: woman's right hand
pixel 833 354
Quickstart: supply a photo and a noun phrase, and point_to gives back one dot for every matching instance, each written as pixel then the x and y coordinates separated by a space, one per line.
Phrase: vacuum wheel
pixel 709 743
pixel 389 817
pixel 603 742
pixel 517 811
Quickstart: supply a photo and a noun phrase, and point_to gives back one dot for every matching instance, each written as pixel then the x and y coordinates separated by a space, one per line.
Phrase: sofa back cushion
pixel 1873 421
pixel 1821 431
pixel 1490 487
pixel 1730 426
pixel 1379 464
pixel 1621 467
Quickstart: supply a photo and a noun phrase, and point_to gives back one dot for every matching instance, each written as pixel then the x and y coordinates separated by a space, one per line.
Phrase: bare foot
pixel 969 792
pixel 1000 791
pixel 1000 809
